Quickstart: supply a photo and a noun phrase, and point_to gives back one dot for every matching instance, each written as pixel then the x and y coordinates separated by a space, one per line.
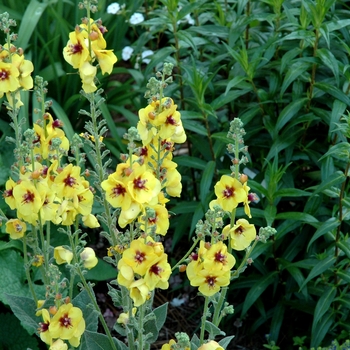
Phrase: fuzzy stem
pixel 204 318
pixel 187 254
pixel 27 270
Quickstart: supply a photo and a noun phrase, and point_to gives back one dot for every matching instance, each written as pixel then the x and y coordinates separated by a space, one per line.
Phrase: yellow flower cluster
pixel 140 182
pixel 67 323
pixel 49 193
pixel 210 268
pixel 86 45
pixel 15 74
pixel 142 268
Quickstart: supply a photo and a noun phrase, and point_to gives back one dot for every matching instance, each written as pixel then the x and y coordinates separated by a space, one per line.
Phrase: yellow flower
pixel 158 273
pixel 229 192
pixel 143 185
pixel 76 52
pixel 106 59
pixel 242 234
pixel 28 201
pixel 139 292
pixel 68 324
pixel 125 274
pixel 44 332
pixel 16 228
pixel 88 256
pixel 139 256
pixel 38 260
pixel 211 345
pixel 160 220
pixel 196 264
pixel 90 221
pixel 8 193
pixel 25 68
pixel 62 255
pixel 8 77
pixel 68 181
pixel 116 192
pixel 87 74
pixel 209 282
pixel 59 344
pixel 124 317
pixel 168 345
pixel 129 214
pixel 218 258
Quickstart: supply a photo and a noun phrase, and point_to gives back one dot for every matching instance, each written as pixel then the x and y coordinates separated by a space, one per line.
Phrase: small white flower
pixel 137 18
pixel 127 52
pixel 189 19
pixel 113 8
pixel 146 54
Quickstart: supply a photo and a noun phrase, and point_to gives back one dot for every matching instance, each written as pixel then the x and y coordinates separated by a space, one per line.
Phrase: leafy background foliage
pixel 280 66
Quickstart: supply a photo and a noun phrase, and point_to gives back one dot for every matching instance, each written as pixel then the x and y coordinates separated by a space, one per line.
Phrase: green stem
pixel 204 318
pixel 99 166
pixel 27 269
pixel 187 254
pixel 89 289
pixel 140 330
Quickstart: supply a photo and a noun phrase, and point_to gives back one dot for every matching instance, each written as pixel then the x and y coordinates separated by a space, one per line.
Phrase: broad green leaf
pixel 197 215
pixel 319 268
pixel 326 226
pixel 323 305
pixel 256 187
pixel 161 313
pixel 233 82
pixel 84 303
pixel 13 336
pixel 335 25
pixel 191 162
pixel 101 272
pixel 320 332
pixel 159 57
pixel 206 180
pixel 288 57
pixel 333 91
pixel 228 97
pixel 339 151
pixel 330 61
pixel 289 112
pixel 213 330
pixel 61 115
pixel 224 343
pixel 344 276
pixel 257 289
pixel 29 22
pixel 97 341
pixel 184 207
pixel 211 30
pixel 24 308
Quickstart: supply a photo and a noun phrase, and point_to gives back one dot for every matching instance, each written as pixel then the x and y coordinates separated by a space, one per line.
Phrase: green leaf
pixel 293 73
pixel 339 151
pixel 97 341
pixel 61 115
pixel 326 226
pixel 161 313
pixel 213 330
pixel 101 272
pixel 323 305
pixel 270 214
pixel 333 91
pixel 195 127
pixel 191 162
pixel 322 329
pixel 344 247
pixel 228 97
pixel 304 217
pixel 291 192
pixel 233 82
pixel 289 112
pixel 333 180
pixel 24 308
pixel 206 180
pixel 257 289
pixel 330 61
pixel 13 336
pixel 29 22
pixel 83 302
pixel 211 30
pixel 197 215
pixel 344 276
pixel 224 343
pixel 276 322
pixel 335 25
pixel 319 268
